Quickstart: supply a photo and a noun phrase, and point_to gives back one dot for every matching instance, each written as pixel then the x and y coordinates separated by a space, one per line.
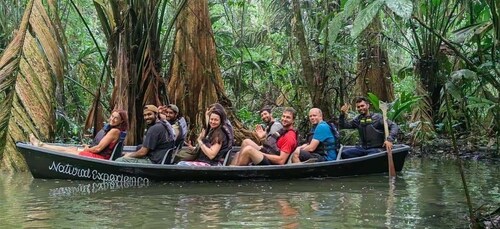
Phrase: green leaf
pixel 29 68
pixel 336 26
pixel 350 7
pixel 374 100
pixel 402 8
pixel 365 17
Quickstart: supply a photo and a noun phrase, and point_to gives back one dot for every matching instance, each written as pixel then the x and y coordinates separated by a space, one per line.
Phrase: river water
pixel 427 194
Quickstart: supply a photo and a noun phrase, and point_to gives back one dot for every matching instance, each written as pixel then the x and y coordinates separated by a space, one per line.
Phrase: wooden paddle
pixel 392 170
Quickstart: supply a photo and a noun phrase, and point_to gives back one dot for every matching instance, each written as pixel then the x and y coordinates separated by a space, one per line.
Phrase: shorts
pixel 265 161
pixel 93 155
pixel 305 155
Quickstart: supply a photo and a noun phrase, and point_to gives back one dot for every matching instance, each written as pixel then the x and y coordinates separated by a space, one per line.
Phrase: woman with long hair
pixel 213 142
pixel 104 142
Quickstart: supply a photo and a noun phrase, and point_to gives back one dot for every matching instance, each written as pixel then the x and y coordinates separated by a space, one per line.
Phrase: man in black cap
pixel 157 140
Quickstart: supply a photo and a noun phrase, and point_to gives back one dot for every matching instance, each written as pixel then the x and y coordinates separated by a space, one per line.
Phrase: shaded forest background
pixel 66 64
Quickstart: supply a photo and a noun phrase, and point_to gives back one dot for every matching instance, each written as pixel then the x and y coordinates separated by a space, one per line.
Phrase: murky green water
pixel 427 194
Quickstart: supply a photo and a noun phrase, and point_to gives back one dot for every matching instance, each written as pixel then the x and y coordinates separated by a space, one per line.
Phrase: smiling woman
pixel 103 143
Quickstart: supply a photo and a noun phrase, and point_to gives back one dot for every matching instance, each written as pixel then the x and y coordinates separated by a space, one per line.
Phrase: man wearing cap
pixel 157 140
pixel 178 122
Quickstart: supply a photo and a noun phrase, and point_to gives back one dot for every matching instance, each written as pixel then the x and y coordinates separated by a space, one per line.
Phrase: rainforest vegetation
pixel 66 64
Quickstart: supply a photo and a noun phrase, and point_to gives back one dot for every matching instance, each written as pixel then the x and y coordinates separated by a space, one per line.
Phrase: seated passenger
pixel 276 149
pixel 213 142
pixel 371 130
pixel 321 143
pixel 227 127
pixel 158 139
pixel 270 124
pixel 171 114
pixel 104 142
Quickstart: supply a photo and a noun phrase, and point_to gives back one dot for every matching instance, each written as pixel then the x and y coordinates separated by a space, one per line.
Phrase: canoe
pixel 48 164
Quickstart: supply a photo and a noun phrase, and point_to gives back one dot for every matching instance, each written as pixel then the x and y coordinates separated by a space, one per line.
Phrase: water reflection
pixel 428 194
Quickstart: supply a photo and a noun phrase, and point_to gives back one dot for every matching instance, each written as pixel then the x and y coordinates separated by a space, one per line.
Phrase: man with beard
pixel 276 149
pixel 157 140
pixel 371 130
pixel 321 141
pixel 171 114
pixel 270 124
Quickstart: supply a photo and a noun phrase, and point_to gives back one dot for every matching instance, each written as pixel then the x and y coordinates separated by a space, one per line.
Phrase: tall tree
pixel 195 77
pixel 373 65
pixel 315 63
pixel 373 70
pixel 132 29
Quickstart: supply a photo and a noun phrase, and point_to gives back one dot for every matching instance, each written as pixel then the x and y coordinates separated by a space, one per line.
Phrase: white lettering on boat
pixel 95 174
pixel 84 189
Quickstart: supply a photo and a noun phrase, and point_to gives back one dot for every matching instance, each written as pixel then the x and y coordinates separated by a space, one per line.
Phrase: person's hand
pixel 201 136
pixel 261 133
pixel 345 108
pixel 388 145
pixel 189 145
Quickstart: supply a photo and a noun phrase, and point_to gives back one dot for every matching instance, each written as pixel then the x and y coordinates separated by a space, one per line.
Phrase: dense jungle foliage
pixel 435 60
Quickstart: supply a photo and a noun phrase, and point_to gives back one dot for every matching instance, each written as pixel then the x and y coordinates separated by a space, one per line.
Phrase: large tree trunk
pixel 134 48
pixel 195 78
pixel 374 73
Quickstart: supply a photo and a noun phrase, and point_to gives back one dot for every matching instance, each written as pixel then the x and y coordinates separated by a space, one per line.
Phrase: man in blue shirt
pixel 321 143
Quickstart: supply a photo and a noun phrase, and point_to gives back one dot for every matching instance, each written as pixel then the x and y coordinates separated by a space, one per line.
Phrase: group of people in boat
pixel 278 139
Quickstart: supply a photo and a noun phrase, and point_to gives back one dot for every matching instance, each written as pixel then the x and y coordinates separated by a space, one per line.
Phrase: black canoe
pixel 47 164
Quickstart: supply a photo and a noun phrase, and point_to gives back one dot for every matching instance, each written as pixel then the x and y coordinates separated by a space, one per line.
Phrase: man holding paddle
pixel 371 130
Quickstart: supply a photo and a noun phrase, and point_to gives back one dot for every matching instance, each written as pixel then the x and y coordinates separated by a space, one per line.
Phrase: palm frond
pixel 29 68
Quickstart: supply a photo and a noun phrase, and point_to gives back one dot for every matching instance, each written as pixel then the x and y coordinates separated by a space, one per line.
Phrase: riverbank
pixel 469 148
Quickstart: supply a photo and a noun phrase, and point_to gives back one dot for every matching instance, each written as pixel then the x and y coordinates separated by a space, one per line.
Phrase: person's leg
pixel 65 149
pixel 302 156
pixel 255 156
pixel 249 142
pixel 249 154
pixel 350 152
pixel 236 158
pixel 296 156
pixel 373 150
pixel 318 157
pixel 242 157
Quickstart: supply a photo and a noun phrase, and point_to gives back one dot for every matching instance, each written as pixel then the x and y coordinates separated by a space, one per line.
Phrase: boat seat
pixel 117 151
pixel 340 152
pixel 230 155
pixel 170 155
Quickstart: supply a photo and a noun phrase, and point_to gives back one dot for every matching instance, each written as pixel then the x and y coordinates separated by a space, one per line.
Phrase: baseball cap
pixel 173 107
pixel 152 108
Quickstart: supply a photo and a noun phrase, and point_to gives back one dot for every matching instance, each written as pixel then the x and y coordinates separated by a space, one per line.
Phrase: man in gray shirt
pixel 270 125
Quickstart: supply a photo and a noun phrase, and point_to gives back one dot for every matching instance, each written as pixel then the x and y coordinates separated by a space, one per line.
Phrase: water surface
pixel 427 194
